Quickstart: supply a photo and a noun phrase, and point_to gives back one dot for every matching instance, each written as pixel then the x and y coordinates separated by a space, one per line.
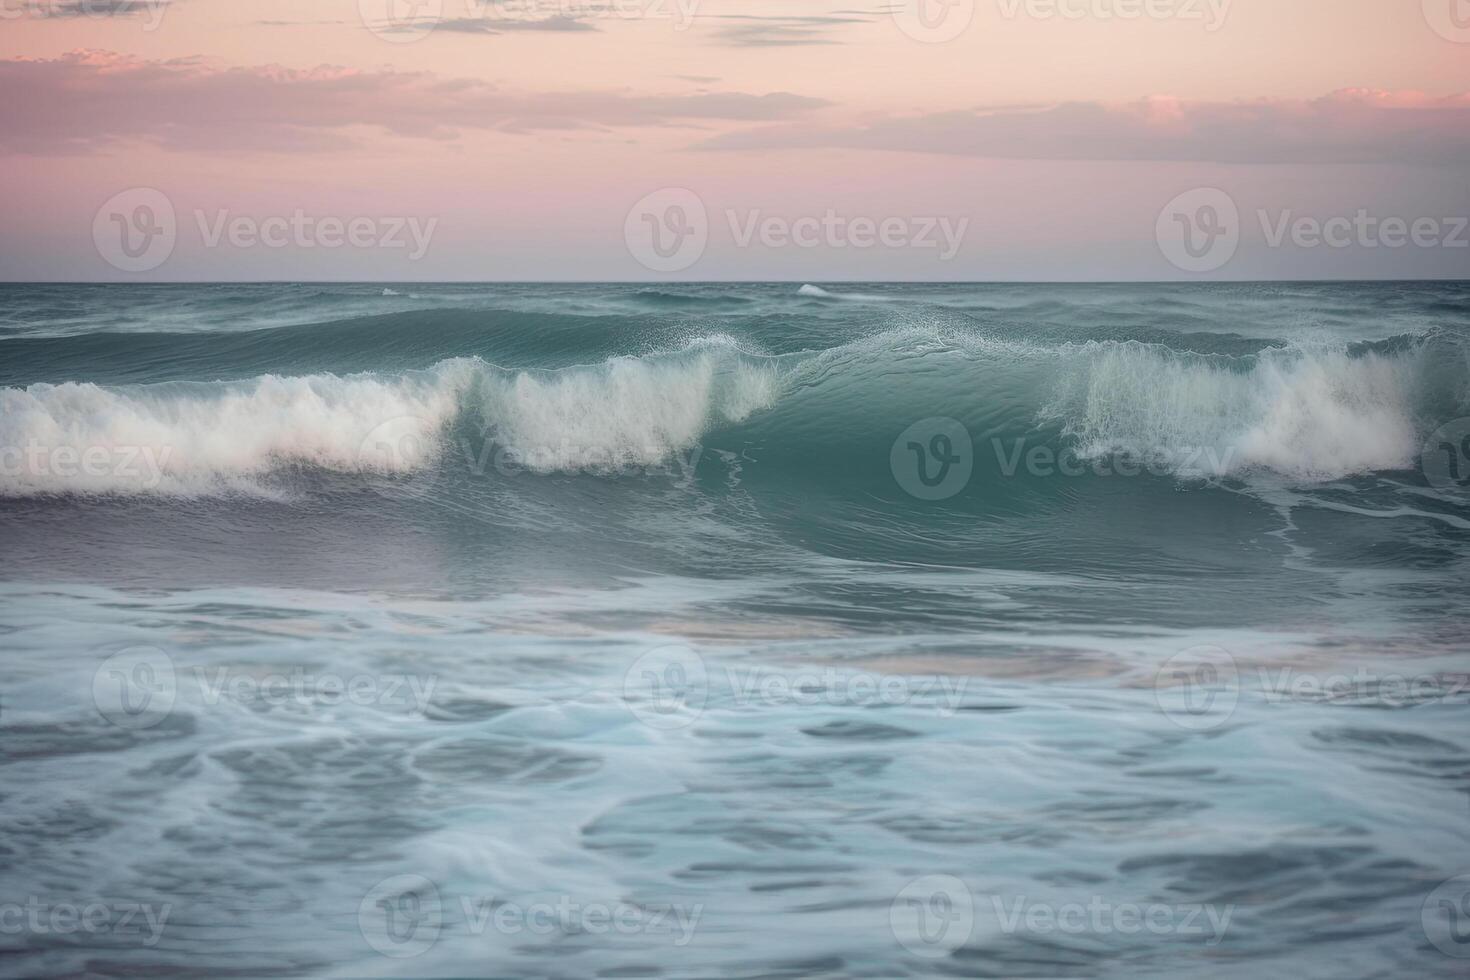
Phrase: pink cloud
pixel 1347 126
pixel 85 100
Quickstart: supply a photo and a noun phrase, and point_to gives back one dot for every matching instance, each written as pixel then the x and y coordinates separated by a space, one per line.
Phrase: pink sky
pixel 1056 133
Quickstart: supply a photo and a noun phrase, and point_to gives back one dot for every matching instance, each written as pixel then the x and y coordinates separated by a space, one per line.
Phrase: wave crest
pixel 193 439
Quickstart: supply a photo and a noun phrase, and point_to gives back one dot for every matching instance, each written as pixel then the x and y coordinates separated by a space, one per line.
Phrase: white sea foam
pixel 627 411
pixel 193 438
pixel 1308 414
pixel 817 292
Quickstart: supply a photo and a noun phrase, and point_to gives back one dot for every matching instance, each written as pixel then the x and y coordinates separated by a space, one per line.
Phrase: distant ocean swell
pixel 1304 413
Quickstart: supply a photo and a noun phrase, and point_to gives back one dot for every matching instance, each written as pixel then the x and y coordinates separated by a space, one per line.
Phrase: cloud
pixel 503 25
pixel 93 8
pixel 1348 126
pixel 753 31
pixel 85 100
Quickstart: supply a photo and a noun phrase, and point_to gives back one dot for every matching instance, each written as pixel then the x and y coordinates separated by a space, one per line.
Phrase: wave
pixel 817 292
pixel 1310 414
pixel 192 438
pixel 1306 414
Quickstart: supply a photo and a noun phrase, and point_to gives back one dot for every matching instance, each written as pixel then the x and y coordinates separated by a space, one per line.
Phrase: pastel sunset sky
pixel 1054 133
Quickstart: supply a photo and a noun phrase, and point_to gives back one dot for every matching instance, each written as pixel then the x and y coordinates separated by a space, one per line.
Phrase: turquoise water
pixel 735 630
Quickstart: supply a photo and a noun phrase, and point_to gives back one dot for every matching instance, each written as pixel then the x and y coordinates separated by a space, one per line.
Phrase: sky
pixel 425 140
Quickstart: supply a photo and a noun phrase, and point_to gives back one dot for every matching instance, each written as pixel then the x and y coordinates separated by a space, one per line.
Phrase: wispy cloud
pixel 1348 126
pixel 506 25
pixel 90 99
pixel 92 8
pixel 757 31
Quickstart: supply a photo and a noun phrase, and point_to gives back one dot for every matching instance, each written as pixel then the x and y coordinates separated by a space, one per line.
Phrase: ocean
pixel 735 630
